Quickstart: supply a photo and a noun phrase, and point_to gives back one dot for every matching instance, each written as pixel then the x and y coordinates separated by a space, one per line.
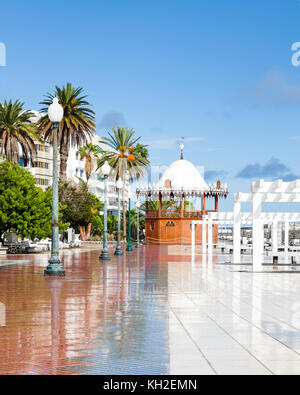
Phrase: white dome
pixel 183 175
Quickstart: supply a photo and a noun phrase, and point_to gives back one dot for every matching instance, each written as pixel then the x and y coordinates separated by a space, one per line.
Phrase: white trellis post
pixel 210 236
pixel 204 233
pixel 193 238
pixel 236 231
pixel 275 236
pixel 257 232
pixel 280 233
pixel 286 236
pixel 2 314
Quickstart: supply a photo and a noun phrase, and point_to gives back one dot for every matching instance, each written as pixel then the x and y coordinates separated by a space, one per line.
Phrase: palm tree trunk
pixel 124 208
pixel 64 154
pixel 88 231
pixel 82 233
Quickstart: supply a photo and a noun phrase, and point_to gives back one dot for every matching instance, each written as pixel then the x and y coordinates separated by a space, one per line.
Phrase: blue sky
pixel 217 72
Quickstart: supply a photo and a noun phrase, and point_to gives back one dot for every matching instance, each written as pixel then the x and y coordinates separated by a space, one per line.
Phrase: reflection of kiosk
pixel 2 314
pixel 168 214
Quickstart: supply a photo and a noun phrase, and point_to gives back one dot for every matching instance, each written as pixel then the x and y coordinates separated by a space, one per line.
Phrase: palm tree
pixel 153 205
pixel 17 129
pixel 89 152
pixel 124 158
pixel 77 126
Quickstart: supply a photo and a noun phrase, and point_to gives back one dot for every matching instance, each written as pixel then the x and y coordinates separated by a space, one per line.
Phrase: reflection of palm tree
pixel 135 330
pixel 55 290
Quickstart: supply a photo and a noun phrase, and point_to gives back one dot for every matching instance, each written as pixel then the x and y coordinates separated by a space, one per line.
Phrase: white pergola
pixel 261 191
pixel 246 219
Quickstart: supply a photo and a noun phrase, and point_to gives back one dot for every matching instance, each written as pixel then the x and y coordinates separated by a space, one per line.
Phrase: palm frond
pixel 17 129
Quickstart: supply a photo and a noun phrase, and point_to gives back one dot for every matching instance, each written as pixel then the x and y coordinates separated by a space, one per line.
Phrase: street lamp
pixel 119 187
pixel 105 253
pixel 137 205
pixel 55 114
pixel 129 246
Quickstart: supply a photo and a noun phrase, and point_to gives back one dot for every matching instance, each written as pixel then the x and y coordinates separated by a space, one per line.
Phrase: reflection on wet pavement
pixel 154 311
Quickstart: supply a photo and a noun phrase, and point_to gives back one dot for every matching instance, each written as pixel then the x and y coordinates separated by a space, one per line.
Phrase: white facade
pixel 75 170
pixel 42 169
pixel 43 164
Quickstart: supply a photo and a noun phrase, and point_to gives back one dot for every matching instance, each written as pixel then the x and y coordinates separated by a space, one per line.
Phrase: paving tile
pixel 149 312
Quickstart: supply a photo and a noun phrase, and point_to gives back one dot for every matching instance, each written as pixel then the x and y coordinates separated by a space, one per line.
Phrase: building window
pixel 170 223
pixel 42 148
pixel 41 165
pixel 42 181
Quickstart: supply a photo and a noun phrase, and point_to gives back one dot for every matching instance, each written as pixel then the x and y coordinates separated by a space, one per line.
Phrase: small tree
pixel 133 221
pixel 81 206
pixel 24 208
pixel 97 226
pixel 112 224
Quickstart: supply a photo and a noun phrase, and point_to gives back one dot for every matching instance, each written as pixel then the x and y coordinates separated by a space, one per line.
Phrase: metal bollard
pixel 294 260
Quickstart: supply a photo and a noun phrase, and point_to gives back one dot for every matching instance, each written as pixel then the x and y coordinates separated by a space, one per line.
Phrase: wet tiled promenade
pixel 153 311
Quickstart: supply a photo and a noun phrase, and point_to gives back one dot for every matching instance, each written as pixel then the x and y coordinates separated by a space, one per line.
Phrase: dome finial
pixel 181 147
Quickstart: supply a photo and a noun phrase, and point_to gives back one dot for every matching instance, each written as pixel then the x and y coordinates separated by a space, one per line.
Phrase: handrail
pixel 176 213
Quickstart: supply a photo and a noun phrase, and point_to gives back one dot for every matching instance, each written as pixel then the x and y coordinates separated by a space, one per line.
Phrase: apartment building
pixel 42 169
pixel 76 169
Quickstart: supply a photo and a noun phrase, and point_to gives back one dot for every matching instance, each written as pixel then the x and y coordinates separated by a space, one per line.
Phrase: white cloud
pixel 112 119
pixel 170 143
pixel 272 90
pixel 272 169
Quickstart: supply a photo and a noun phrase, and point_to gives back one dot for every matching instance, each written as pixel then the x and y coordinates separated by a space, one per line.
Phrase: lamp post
pixel 55 114
pixel 138 245
pixel 129 246
pixel 105 253
pixel 119 187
